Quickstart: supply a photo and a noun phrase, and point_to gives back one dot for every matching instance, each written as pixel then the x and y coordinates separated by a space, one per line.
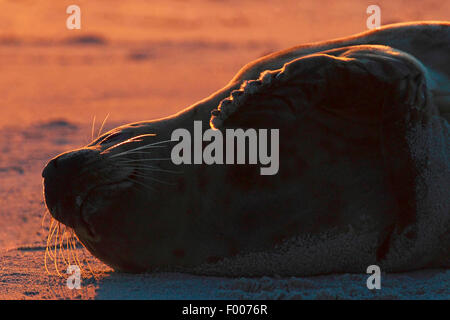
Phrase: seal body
pixel 363 168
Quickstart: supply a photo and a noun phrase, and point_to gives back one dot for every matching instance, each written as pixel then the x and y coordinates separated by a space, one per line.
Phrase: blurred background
pixel 138 59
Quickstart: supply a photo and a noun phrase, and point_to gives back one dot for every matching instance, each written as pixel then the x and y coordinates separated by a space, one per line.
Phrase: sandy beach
pixel 138 61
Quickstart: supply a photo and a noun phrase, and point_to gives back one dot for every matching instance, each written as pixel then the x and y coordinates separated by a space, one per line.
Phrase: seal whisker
pixel 68 249
pixel 141 184
pixel 75 239
pixel 72 242
pixel 125 153
pixel 133 139
pixel 43 218
pixel 150 168
pixel 93 128
pixel 152 144
pixel 128 151
pixel 147 146
pixel 56 253
pixel 61 246
pixel 135 166
pixel 45 260
pixel 101 127
pixel 47 251
pixel 154 179
pixel 139 160
pixel 141 147
pixel 73 251
pixel 64 245
pixel 65 249
pixel 50 235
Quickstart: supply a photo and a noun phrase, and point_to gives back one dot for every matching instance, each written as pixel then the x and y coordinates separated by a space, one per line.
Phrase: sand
pixel 137 61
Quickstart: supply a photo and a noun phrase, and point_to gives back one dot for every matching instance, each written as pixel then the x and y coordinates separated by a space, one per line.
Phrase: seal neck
pixel 201 110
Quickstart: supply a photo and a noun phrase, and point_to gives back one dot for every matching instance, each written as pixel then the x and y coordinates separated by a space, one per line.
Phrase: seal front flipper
pixel 376 86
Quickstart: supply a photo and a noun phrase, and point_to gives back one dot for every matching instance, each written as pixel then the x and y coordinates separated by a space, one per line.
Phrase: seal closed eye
pixel 363 175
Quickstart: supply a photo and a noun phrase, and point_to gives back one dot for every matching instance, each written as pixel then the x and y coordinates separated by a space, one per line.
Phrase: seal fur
pixel 364 171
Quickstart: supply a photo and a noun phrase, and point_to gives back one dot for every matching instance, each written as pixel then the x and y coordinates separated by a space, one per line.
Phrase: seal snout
pixel 51 165
pixel 59 174
pixel 68 161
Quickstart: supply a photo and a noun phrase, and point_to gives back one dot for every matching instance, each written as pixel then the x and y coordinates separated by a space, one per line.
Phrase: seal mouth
pixel 93 202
